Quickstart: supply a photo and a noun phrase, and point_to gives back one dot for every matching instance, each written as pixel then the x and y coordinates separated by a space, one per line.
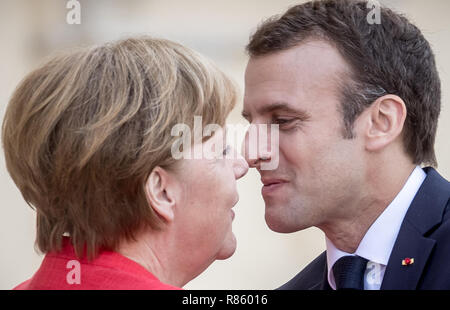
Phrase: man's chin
pixel 280 225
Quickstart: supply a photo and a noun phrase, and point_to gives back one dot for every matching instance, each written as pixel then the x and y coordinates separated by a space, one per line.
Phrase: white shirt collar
pixel 377 243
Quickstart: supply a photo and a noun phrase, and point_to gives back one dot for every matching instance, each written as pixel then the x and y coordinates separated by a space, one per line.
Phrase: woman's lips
pixel 234 204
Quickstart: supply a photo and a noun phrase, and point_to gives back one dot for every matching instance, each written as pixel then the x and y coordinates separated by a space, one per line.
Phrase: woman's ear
pixel 386 119
pixel 160 193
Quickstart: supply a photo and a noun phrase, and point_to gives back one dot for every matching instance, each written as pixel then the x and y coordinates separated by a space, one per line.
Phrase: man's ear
pixel 386 119
pixel 160 193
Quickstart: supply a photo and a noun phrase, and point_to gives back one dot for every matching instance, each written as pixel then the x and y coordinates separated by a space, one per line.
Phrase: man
pixel 357 105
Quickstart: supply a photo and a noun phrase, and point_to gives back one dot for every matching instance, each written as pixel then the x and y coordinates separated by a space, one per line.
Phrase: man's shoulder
pixel 436 182
pixel 436 274
pixel 442 231
pixel 311 277
pixel 424 235
pixel 434 197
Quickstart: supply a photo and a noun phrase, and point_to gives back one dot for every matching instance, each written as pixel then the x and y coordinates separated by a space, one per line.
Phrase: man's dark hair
pixel 391 57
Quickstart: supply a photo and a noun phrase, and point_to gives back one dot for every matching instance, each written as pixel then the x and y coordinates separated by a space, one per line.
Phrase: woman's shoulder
pixel 22 286
pixel 109 271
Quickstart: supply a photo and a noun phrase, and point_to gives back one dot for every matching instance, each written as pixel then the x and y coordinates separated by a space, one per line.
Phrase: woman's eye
pixel 226 150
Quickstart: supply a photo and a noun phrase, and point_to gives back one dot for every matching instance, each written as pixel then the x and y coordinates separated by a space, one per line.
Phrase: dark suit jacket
pixel 424 235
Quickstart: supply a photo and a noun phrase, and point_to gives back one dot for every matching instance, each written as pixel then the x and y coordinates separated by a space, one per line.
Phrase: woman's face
pixel 206 197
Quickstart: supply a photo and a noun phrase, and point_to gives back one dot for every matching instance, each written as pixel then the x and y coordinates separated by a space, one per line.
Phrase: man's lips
pixel 267 181
pixel 270 185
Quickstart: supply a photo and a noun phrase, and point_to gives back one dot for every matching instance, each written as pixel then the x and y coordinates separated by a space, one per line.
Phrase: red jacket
pixel 109 271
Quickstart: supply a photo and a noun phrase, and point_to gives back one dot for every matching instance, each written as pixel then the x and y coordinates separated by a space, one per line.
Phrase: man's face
pixel 319 172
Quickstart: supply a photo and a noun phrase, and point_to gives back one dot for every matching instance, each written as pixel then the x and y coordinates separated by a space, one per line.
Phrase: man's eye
pixel 282 121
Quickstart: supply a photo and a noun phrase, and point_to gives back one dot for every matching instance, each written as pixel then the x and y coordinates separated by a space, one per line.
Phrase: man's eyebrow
pixel 245 114
pixel 280 106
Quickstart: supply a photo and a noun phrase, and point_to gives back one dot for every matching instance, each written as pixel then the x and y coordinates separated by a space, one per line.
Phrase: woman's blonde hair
pixel 82 133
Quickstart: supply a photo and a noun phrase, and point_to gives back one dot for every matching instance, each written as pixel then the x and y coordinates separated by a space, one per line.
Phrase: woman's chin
pixel 229 247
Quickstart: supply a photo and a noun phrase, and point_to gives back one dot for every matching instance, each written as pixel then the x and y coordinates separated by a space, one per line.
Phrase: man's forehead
pixel 305 73
pixel 314 59
pixel 267 96
pixel 269 69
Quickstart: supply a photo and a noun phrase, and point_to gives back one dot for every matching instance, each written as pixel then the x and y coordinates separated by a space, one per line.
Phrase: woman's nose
pixel 245 151
pixel 240 167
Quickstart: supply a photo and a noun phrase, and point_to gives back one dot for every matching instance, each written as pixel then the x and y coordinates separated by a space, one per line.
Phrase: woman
pixel 87 140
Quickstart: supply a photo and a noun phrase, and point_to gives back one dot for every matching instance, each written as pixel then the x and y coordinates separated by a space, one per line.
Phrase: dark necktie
pixel 348 272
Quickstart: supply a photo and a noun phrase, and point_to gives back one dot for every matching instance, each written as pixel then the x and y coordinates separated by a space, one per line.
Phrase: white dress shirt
pixel 376 245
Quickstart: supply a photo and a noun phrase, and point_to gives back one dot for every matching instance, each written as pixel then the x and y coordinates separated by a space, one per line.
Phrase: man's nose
pixel 253 154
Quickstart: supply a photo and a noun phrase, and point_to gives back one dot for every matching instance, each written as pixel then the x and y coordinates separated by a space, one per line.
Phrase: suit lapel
pixel 425 212
pixel 324 285
pixel 410 243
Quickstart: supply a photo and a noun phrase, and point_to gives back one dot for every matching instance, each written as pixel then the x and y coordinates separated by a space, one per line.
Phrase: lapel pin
pixel 408 261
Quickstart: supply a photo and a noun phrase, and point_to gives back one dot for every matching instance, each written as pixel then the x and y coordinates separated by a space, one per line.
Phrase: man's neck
pixel 382 187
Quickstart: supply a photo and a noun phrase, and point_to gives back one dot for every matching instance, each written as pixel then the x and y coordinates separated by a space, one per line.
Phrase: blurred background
pixel 30 30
